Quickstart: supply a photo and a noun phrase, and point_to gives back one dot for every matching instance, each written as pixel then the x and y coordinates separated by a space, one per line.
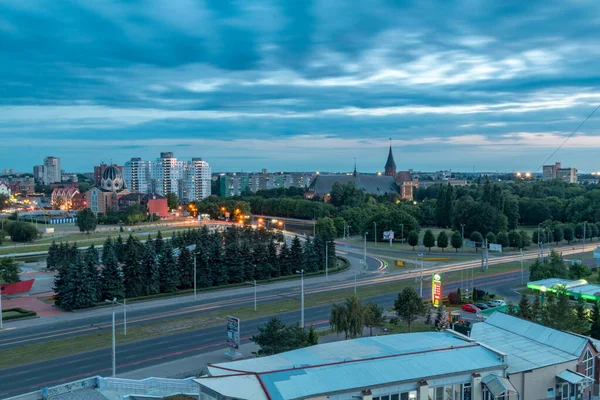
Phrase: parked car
pixel 470 308
pixel 496 303
pixel 482 306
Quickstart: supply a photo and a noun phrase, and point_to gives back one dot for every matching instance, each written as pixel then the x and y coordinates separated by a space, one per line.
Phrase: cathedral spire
pixel 355 173
pixel 390 165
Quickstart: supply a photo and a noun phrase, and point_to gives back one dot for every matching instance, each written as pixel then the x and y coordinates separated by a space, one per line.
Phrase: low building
pixel 62 198
pixel 556 171
pixel 372 184
pixel 104 198
pixel 4 189
pixel 424 366
pixel 542 362
pixel 155 203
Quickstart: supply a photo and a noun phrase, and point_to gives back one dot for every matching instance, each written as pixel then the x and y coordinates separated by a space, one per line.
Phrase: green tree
pixel 428 239
pixel 119 248
pixel 159 244
pixel 503 239
pixel 275 337
pixel 456 241
pixel 477 238
pixel 22 232
pixel 413 239
pixel 325 228
pixel 579 231
pixel 491 238
pixel 558 234
pixel 348 318
pixel 185 263
pixel 374 317
pixel 283 260
pixel 169 273
pixel 595 321
pixel 9 270
pixel 234 262
pixel 172 201
pixel 151 270
pixel 442 240
pixel 134 273
pixel 53 258
pixel 409 306
pixel 579 271
pixel 91 259
pixel 79 292
pixel 511 310
pixel 86 220
pixel 525 239
pixel 296 257
pixel 113 286
pixel 107 247
pixel 514 238
pixel 562 316
pixel 568 233
pixel 441 321
pixel 524 308
pixel 536 309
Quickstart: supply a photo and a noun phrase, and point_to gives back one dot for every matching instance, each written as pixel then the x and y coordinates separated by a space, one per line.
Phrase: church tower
pixel 390 165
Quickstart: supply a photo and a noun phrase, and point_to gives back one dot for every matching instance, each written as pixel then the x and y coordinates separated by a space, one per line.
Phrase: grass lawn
pixel 402 327
pixel 10 314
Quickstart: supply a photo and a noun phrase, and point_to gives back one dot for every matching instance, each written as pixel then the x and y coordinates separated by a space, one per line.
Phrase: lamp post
pixel 365 251
pixel 462 228
pixel 1 271
pixel 375 232
pixel 301 272
pixel 192 249
pixel 583 251
pixel 540 242
pixel 114 343
pixel 255 295
pixel 421 290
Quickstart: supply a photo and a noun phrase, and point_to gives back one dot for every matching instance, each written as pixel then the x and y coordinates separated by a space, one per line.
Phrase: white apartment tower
pixel 52 168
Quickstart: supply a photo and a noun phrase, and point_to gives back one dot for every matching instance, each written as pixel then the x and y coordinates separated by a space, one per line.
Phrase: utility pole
pixel 301 272
pixel 365 252
pixel 326 261
pixel 522 283
pixel 255 295
pixel 583 251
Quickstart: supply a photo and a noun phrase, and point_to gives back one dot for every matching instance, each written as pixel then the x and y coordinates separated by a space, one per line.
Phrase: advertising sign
pixel 233 332
pixel 436 290
pixel 388 235
pixel 496 247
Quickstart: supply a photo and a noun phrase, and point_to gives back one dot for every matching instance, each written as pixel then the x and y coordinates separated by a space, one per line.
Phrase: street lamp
pixel 1 272
pixel 375 232
pixel 114 343
pixel 365 251
pixel 540 242
pixel 584 226
pixel 301 272
pixel 462 227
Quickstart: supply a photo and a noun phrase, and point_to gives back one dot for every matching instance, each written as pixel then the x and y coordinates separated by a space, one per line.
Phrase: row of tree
pixel 134 268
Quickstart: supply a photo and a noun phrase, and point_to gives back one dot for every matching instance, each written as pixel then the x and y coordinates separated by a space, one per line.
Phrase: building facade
pixel 556 171
pixel 40 175
pixel 105 197
pixel 52 169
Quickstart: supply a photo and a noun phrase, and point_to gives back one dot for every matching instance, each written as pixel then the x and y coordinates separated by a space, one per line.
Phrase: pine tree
pixel 169 273
pixel 233 261
pixel 246 258
pixel 524 308
pixel 581 312
pixel 441 320
pixel 296 256
pixel 107 248
pixel 60 284
pixel 80 293
pixel 311 258
pixel 150 270
pixel 261 262
pixel 134 274
pixel 120 249
pixel 272 258
pixel 203 270
pixel 159 244
pixel 113 286
pixel 284 260
pixel 595 320
pixel 186 269
pixel 217 264
pixel 331 254
pixel 53 259
pixel 536 309
pixel 91 262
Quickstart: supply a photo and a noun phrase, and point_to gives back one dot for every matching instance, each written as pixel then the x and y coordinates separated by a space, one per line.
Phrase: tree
pixel 561 315
pixel 325 228
pixel 53 258
pixel 91 259
pixel 185 263
pixel 86 220
pixel 503 239
pixel 159 244
pixel 428 239
pixel 514 238
pixel 456 241
pixel 169 273
pixel 536 309
pixel 413 239
pixel 595 321
pixel 22 232
pixel 172 201
pixel 120 249
pixel 511 310
pixel 490 237
pixel 579 271
pixel 151 270
pixel 442 240
pixel 477 238
pixel 558 233
pixel 524 308
pixel 525 239
pixel 112 284
pixel 134 273
pixel 79 291
pixel 409 306
pixel 374 317
pixel 579 231
pixel 568 233
pixel 441 322
pixel 275 337
pixel 9 270
pixel 348 318
pixel 296 256
pixel 581 311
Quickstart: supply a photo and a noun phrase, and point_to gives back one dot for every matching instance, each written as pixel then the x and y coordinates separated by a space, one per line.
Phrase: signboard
pixel 436 290
pixel 495 247
pixel 471 244
pixel 399 263
pixel 233 332
pixel 388 235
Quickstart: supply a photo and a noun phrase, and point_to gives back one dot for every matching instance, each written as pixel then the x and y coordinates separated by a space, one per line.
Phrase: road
pixel 154 351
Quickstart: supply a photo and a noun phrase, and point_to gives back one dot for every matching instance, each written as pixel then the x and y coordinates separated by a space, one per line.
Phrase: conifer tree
pixel 283 260
pixel 113 286
pixel 60 284
pixel 272 259
pixel 134 274
pixel 524 308
pixel 119 247
pixel 169 273
pixel 53 258
pixel 159 244
pixel 246 258
pixel 595 321
pixel 536 310
pixel 91 262
pixel 296 256
pixel 311 258
pixel 203 270
pixel 186 269
pixel 79 291
pixel 107 248
pixel 217 265
pixel 233 261
pixel 150 270
pixel 261 262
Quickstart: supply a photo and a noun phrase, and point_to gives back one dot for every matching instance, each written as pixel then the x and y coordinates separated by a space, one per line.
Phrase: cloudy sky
pixel 300 85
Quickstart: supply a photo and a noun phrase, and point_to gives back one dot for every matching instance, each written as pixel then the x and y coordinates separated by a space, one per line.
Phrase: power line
pixel 569 137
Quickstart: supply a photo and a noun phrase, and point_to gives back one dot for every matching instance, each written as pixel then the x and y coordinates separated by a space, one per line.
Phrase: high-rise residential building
pixel 556 171
pixel 189 180
pixel 549 171
pixel 53 171
pixel 40 175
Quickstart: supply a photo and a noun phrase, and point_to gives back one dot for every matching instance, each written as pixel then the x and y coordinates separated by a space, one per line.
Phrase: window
pixel 550 392
pixel 395 397
pixel 436 393
pixel 466 395
pixel 588 363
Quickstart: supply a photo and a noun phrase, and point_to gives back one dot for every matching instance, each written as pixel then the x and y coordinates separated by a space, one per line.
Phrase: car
pixel 482 306
pixel 470 308
pixel 496 303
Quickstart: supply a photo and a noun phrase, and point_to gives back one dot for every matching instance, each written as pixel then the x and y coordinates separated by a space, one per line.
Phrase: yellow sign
pixel 436 290
pixel 399 263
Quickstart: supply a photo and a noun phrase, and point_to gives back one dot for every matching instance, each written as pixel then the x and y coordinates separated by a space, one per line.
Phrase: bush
pixel 16 313
pixel 394 320
pixel 453 298
pixel 21 232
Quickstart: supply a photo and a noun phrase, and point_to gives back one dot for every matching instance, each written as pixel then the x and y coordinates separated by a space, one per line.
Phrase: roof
pixel 372 184
pixel 498 386
pixel 404 176
pixel 576 287
pixel 353 364
pixel 390 163
pixel 574 377
pixel 528 345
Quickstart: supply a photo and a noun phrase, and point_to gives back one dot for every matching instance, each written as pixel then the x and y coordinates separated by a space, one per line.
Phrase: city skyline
pixel 288 87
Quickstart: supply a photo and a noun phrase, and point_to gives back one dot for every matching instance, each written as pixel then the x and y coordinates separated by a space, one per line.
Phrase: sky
pixel 301 85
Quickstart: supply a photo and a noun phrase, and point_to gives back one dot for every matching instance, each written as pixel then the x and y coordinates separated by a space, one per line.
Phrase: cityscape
pixel 299 200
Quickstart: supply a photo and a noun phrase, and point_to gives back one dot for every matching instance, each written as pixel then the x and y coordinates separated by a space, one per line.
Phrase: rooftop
pixel 351 364
pixel 528 345
pixel 581 286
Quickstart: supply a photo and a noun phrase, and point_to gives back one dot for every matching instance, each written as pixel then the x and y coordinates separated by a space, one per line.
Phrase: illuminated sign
pixel 436 290
pixel 233 332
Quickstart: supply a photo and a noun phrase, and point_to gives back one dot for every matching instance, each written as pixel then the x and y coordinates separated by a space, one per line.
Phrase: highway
pixel 154 351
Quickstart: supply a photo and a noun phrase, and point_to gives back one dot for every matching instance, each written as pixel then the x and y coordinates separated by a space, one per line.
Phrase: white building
pixel 5 190
pixel 40 174
pixel 52 169
pixel 137 175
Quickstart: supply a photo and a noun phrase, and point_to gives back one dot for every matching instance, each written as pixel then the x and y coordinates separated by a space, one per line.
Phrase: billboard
pixel 436 290
pixel 233 332
pixel 388 235
pixel 495 247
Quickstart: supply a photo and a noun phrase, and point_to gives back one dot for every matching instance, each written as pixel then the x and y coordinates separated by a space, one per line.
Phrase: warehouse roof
pixel 528 345
pixel 352 364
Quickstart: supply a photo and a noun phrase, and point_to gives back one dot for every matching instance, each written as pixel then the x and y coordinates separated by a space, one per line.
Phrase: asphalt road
pixel 158 350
